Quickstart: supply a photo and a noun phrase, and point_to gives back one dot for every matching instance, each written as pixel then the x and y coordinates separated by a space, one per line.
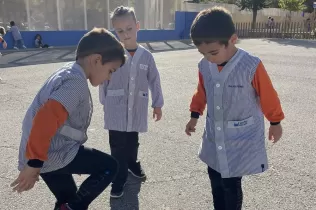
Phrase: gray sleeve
pixel 36 43
pixel 69 93
pixel 154 84
pixel 102 91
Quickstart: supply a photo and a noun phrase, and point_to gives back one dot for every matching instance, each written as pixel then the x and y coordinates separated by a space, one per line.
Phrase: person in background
pixel 17 37
pixel 39 42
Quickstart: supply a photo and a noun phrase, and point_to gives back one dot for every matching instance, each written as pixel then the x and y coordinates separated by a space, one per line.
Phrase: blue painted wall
pixel 183 21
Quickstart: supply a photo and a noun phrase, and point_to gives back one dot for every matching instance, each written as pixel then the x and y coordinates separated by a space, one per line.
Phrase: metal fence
pixel 84 14
pixel 290 30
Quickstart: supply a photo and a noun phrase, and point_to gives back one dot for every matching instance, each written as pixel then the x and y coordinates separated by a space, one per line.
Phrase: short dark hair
pixel 12 23
pixel 103 42
pixel 2 31
pixel 123 11
pixel 212 25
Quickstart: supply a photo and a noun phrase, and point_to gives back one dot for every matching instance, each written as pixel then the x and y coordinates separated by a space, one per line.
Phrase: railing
pixel 285 30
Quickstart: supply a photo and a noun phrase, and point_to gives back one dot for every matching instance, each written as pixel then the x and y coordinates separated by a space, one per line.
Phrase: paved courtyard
pixel 177 179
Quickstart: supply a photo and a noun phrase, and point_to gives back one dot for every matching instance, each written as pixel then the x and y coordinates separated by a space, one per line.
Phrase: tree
pixel 292 5
pixel 254 6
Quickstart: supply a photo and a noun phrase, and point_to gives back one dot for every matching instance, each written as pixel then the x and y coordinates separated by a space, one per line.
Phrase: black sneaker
pixel 117 192
pixel 136 170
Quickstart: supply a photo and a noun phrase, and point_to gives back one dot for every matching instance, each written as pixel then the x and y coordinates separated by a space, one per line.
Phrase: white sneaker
pixel 24 46
pixel 15 48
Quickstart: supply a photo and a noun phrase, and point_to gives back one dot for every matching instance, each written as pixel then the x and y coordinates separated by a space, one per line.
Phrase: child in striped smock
pixel 55 127
pixel 125 99
pixel 238 93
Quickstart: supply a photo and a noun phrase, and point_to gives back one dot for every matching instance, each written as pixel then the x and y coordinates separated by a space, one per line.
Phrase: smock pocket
pixel 115 97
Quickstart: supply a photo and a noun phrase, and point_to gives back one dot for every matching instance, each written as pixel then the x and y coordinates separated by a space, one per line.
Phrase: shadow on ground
pixel 130 198
pixel 56 55
pixel 294 42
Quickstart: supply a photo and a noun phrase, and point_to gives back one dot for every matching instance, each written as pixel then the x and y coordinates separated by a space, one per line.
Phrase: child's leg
pixel 217 189
pixel 102 169
pixel 132 144
pixel 227 192
pixel 22 43
pixel 119 151
pixel 62 186
pixel 233 193
pixel 133 165
pixel 16 44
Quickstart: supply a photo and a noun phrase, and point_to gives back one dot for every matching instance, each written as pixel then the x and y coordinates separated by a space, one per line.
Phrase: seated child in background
pixel 39 42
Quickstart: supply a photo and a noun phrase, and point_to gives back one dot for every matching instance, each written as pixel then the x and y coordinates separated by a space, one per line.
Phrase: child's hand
pixel 191 126
pixel 26 180
pixel 275 133
pixel 157 113
pixel 4 45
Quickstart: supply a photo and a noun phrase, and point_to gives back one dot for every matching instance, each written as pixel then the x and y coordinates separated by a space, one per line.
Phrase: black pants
pixel 102 169
pixel 227 192
pixel 124 148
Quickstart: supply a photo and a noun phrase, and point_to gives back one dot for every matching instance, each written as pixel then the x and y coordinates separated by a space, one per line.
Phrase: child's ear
pixel 234 39
pixel 137 25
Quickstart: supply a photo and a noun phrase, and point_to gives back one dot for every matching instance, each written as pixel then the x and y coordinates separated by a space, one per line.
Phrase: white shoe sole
pixel 117 196
pixel 140 177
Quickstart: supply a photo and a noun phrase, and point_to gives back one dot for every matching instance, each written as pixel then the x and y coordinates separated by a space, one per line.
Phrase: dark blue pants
pixel 102 169
pixel 124 148
pixel 227 192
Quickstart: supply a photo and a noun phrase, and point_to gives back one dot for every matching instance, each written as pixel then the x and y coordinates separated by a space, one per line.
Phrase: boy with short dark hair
pixel 125 99
pixel 238 93
pixel 55 127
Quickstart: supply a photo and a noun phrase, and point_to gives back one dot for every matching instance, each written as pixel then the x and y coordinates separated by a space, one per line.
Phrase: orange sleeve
pixel 269 100
pixel 45 124
pixel 198 102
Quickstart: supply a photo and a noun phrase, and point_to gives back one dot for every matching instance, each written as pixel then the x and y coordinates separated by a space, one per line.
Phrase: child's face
pixel 126 29
pixel 216 52
pixel 101 72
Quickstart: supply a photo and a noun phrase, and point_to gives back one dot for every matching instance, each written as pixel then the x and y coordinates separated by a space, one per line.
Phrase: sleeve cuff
pixel 195 115
pixel 275 123
pixel 35 163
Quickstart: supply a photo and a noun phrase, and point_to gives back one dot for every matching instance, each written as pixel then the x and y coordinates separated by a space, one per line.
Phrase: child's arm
pixel 61 103
pixel 102 91
pixel 197 106
pixel 198 102
pixel 46 122
pixel 154 85
pixel 269 100
pixel 270 103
